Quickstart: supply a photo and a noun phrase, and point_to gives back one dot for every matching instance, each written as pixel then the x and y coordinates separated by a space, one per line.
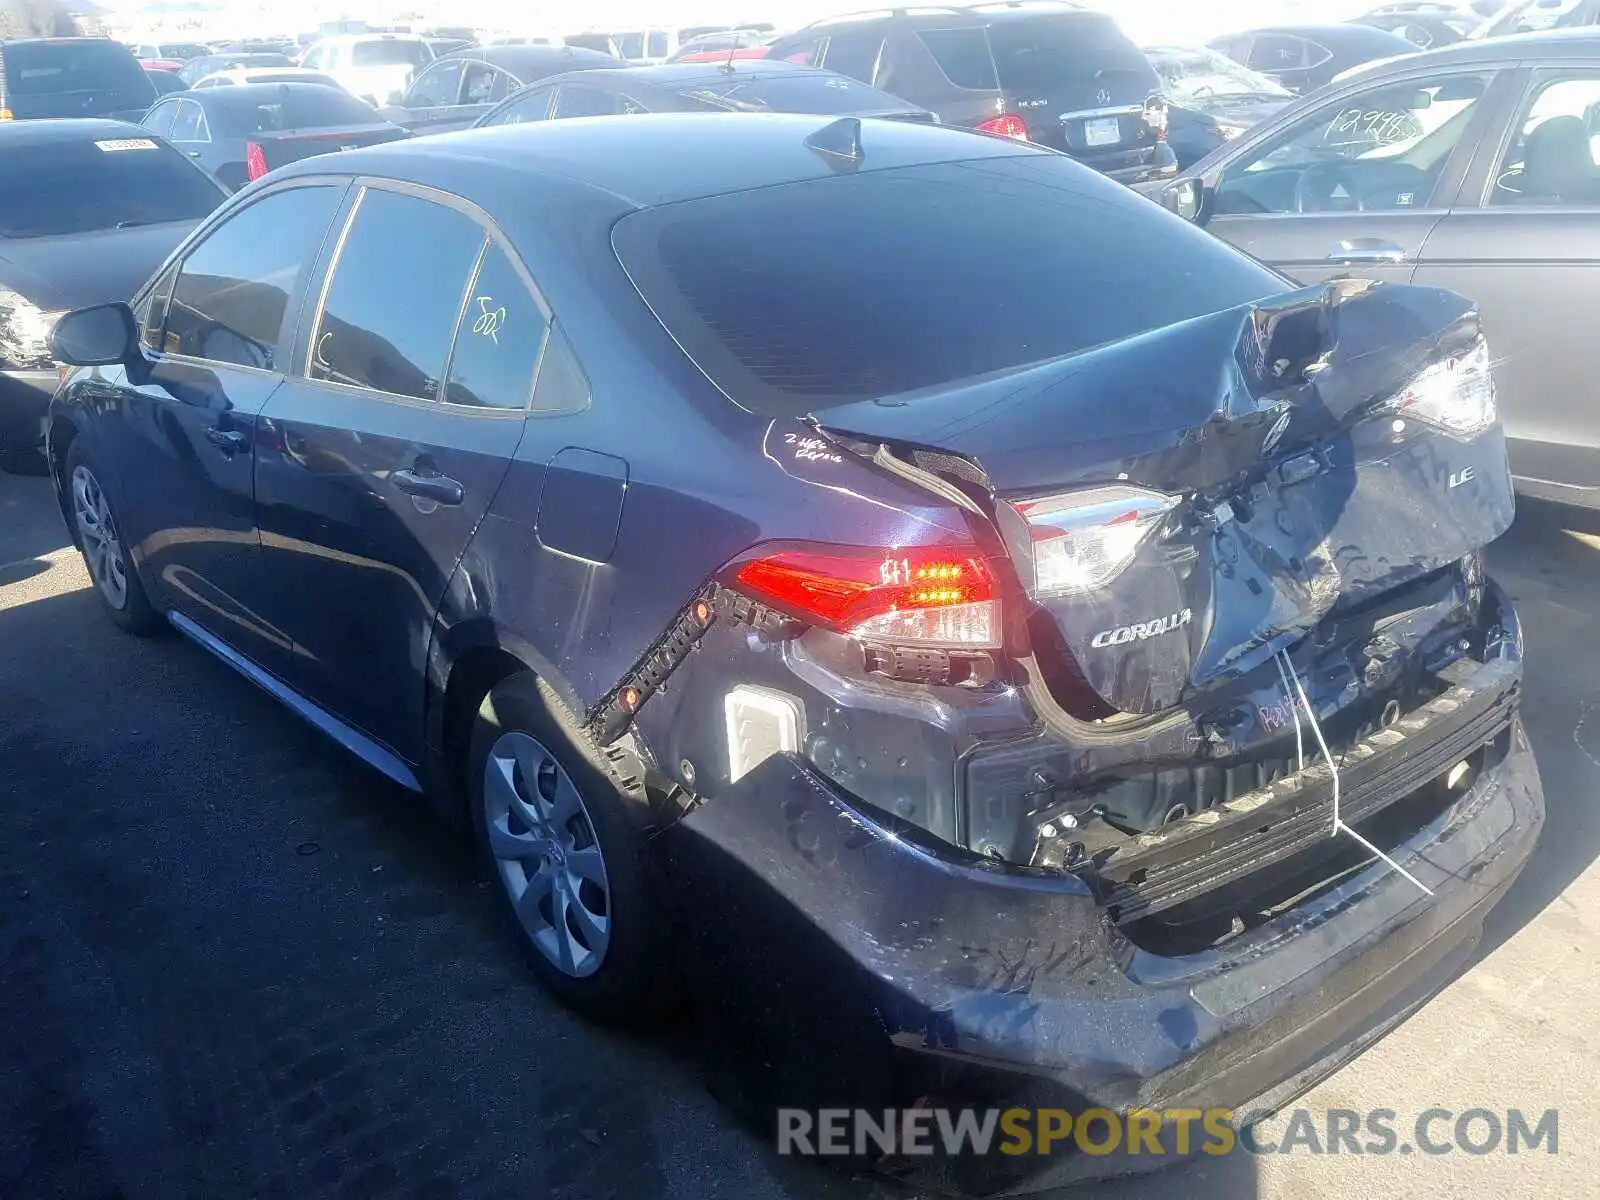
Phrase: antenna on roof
pixel 839 142
pixel 727 66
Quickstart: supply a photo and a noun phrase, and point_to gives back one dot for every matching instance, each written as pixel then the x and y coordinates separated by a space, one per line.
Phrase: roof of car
pixel 247 94
pixel 543 59
pixel 659 158
pixel 1581 43
pixel 1332 31
pixel 346 38
pixel 678 74
pixel 71 129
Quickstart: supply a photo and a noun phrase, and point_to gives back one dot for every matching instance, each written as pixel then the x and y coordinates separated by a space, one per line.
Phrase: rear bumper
pixel 1155 165
pixel 876 969
pixel 24 406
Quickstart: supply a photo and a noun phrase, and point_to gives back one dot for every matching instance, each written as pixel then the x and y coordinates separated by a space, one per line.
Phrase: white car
pixel 241 75
pixel 377 67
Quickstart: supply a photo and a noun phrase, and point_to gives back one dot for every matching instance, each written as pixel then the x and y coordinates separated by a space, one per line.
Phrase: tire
pixel 524 744
pixel 116 580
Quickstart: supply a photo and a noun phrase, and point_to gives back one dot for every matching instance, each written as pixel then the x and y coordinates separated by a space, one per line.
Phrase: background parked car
pixel 239 76
pixel 72 77
pixel 1304 57
pixel 180 52
pixel 197 69
pixel 1422 29
pixel 1471 167
pixel 240 133
pixel 377 67
pixel 459 88
pixel 89 211
pixel 1534 16
pixel 165 82
pixel 701 87
pixel 1055 74
pixel 735 43
pixel 1212 99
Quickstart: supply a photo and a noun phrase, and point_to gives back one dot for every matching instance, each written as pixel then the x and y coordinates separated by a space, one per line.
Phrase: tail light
pixel 5 113
pixel 255 161
pixel 1456 395
pixel 1156 117
pixel 1006 125
pixel 927 596
pixel 1084 540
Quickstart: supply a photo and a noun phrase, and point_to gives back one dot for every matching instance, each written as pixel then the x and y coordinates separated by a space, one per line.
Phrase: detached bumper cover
pixel 24 404
pixel 814 914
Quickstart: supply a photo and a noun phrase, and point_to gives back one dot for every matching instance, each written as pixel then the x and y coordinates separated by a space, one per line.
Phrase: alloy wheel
pixel 547 855
pixel 102 547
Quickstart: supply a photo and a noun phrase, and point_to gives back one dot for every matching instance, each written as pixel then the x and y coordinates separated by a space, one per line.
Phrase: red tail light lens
pixel 255 161
pixel 1007 125
pixel 925 595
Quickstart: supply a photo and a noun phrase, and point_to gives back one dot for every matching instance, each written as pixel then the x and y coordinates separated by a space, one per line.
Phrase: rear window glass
pixel 808 93
pixel 1041 53
pixel 963 56
pixel 389 54
pixel 312 107
pixel 46 68
pixel 797 297
pixel 80 186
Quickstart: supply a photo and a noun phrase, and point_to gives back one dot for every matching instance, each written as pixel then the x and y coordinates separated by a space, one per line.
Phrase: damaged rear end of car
pixel 1120 715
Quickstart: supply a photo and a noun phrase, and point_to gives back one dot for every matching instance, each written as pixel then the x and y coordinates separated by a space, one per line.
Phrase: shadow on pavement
pixel 30 523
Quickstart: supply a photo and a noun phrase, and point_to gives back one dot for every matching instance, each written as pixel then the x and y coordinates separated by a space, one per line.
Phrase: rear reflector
pixel 759 723
pixel 255 161
pixel 1008 125
pixel 924 595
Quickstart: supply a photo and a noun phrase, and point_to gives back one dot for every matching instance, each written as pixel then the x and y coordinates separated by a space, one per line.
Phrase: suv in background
pixel 1041 70
pixel 72 77
pixel 377 67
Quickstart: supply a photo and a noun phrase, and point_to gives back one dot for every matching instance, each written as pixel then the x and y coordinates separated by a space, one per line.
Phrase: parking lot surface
pixel 234 962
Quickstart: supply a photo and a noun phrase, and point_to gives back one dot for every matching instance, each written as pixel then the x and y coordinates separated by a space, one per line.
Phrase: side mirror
pixel 102 336
pixel 1186 197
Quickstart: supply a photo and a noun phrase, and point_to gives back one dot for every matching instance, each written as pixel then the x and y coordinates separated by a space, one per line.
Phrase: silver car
pixel 1474 167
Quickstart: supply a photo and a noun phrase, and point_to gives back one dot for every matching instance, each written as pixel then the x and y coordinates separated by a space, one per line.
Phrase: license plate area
pixel 1102 131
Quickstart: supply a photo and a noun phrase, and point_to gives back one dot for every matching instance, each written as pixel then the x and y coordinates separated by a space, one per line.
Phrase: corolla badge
pixel 1141 630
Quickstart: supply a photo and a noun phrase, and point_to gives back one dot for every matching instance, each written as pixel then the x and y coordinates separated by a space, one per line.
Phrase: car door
pixel 1355 185
pixel 1524 242
pixel 218 328
pixel 387 446
pixel 432 100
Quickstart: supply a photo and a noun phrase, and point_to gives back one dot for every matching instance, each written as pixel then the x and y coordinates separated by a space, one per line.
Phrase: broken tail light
pixel 255 161
pixel 1006 125
pixel 1455 395
pixel 1083 540
pixel 929 596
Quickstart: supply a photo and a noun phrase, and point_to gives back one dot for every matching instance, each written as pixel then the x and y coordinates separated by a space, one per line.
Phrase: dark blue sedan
pixel 948 612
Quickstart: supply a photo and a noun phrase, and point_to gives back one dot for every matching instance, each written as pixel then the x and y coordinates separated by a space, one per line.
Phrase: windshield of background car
pixel 75 187
pixel 311 108
pixel 1190 75
pixel 390 54
pixel 49 67
pixel 798 297
pixel 1527 16
pixel 1036 54
pixel 803 92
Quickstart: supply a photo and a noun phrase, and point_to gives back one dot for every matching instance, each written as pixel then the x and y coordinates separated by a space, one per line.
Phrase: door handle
pixel 441 489
pixel 229 441
pixel 1367 250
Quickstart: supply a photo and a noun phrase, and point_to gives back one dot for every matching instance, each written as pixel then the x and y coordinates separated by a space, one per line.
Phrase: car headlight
pixel 1084 540
pixel 1455 395
pixel 24 333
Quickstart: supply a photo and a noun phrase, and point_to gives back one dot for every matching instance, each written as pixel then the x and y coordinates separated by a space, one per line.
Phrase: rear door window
pixel 395 296
pixel 532 105
pixel 159 119
pixel 989 278
pixel 49 67
pixel 483 84
pixel 808 53
pixel 388 53
pixel 577 101
pixel 501 335
pixel 962 56
pixel 231 300
pixel 189 124
pixel 1040 54
pixel 855 54
pixel 436 87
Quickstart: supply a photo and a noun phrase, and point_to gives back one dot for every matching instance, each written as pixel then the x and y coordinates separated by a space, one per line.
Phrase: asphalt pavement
pixel 236 963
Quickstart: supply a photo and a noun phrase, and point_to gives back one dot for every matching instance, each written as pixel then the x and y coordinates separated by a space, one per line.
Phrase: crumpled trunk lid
pixel 1297 490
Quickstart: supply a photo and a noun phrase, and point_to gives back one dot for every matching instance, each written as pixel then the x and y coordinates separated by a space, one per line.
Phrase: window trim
pixel 175 264
pixel 299 368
